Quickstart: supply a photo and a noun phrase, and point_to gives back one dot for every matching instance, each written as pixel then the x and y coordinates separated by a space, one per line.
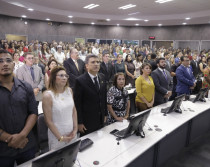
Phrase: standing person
pixel 18 115
pixel 153 61
pixel 90 97
pixel 138 63
pixel 59 110
pixel 74 67
pixel 51 64
pixel 202 64
pixel 33 75
pixel 118 102
pixel 130 71
pixel 206 80
pixel 59 55
pixel 168 62
pixel 145 88
pixel 107 69
pixel 163 82
pixel 194 64
pixel 18 63
pixel 119 66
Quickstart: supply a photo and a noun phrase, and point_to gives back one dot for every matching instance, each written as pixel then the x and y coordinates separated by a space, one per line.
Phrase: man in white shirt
pixel 53 49
pixel 95 50
pixel 59 55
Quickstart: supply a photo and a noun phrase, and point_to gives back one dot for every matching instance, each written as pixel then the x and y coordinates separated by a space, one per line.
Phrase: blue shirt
pixel 15 107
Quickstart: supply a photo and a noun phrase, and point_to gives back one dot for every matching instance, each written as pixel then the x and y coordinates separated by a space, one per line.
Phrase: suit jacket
pixel 23 73
pixel 72 70
pixel 153 64
pixel 195 68
pixel 184 80
pixel 91 105
pixel 162 86
pixel 168 65
pixel 108 72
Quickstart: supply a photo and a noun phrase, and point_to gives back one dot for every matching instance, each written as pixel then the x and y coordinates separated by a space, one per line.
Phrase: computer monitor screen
pixel 137 123
pixel 63 157
pixel 175 106
pixel 200 96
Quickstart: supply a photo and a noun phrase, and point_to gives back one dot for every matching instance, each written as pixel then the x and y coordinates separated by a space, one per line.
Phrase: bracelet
pixel 61 139
pixel 1 133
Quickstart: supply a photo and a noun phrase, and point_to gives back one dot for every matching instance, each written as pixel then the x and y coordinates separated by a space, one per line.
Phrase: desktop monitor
pixel 175 106
pixel 136 125
pixel 63 157
pixel 200 96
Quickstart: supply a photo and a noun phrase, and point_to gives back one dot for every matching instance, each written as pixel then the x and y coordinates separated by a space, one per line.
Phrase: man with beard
pixel 163 82
pixel 18 115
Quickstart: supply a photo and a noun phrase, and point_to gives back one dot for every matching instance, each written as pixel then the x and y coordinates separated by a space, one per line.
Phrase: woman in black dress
pixel 118 102
pixel 130 71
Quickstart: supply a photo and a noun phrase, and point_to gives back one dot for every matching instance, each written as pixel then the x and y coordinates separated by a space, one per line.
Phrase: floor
pixel 196 155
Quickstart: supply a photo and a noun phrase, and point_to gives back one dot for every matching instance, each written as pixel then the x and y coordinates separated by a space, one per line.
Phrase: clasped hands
pixel 17 141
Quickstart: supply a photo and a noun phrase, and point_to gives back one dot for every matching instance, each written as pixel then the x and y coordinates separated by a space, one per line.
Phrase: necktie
pixel 96 84
pixel 77 65
pixel 32 72
pixel 164 73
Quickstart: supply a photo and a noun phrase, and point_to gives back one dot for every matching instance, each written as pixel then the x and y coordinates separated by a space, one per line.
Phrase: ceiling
pixel 170 13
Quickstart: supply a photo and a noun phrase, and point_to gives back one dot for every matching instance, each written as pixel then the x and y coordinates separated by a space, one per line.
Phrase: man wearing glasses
pixel 18 115
pixel 185 78
pixel 33 75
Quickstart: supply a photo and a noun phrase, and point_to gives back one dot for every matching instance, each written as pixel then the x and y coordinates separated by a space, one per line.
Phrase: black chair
pixel 42 135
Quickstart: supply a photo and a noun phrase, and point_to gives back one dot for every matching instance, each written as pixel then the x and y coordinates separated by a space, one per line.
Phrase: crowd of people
pixel 82 88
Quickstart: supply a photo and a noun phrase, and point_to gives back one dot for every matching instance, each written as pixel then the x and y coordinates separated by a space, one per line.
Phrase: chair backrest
pixel 42 133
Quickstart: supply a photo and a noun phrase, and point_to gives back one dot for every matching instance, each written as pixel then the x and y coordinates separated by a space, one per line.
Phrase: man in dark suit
pixel 74 67
pixel 163 82
pixel 107 69
pixel 185 78
pixel 90 97
pixel 153 61
pixel 195 65
pixel 168 62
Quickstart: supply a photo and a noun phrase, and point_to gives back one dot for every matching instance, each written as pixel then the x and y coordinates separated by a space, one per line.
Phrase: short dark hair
pixel 182 58
pixel 158 60
pixel 105 52
pixel 89 56
pixel 28 53
pixel 116 76
pixel 144 65
pixel 153 56
pixel 5 51
pixel 165 54
pixel 50 61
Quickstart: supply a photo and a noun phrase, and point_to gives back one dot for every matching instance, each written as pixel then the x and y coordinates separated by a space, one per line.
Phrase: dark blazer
pixel 184 80
pixel 153 64
pixel 108 73
pixel 162 86
pixel 168 65
pixel 91 105
pixel 72 70
pixel 195 67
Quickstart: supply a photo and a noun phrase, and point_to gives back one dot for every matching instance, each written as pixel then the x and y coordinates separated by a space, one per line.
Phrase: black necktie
pixel 32 72
pixel 96 84
pixel 164 73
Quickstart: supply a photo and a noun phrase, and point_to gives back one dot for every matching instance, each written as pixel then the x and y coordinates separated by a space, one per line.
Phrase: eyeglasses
pixel 6 60
pixel 63 75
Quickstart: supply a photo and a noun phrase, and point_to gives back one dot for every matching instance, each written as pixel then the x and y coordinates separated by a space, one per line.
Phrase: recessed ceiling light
pixel 91 6
pixel 26 22
pixel 184 23
pixel 187 18
pixel 70 22
pixel 127 6
pixel 108 19
pixel 132 19
pixel 146 20
pixel 163 1
pixel 136 24
pixel 92 23
pixel 47 19
pixel 159 24
pixel 24 16
pixel 118 24
pixel 30 9
pixel 133 13
pixel 70 16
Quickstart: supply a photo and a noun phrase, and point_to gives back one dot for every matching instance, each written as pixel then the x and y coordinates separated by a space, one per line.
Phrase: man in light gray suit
pixel 33 75
pixel 163 82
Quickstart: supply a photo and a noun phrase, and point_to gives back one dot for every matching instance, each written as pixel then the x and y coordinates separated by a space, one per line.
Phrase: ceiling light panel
pixel 91 6
pixel 132 19
pixel 30 9
pixel 187 18
pixel 163 1
pixel 127 6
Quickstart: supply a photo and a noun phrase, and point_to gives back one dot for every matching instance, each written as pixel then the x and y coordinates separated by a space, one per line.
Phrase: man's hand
pixel 81 128
pixel 17 141
pixel 36 91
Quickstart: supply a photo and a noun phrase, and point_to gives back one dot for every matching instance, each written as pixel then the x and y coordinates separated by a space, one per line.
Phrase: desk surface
pixel 106 150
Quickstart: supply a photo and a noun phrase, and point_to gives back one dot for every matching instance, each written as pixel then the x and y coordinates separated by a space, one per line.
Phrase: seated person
pixel 118 102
